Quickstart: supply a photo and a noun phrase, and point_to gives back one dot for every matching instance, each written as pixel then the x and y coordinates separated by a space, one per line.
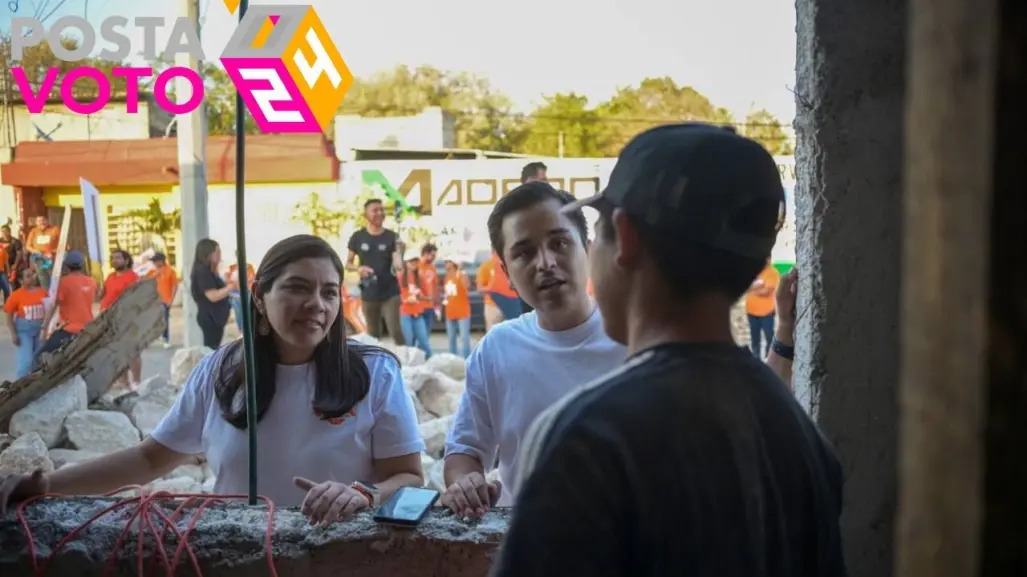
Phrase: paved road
pixel 156 359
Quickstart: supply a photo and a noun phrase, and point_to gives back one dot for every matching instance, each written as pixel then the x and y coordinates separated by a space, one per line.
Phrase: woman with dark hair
pixel 337 431
pixel 210 293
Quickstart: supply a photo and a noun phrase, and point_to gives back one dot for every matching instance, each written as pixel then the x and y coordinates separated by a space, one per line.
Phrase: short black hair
pixel 688 267
pixel 428 247
pixel 531 169
pixel 371 201
pixel 524 197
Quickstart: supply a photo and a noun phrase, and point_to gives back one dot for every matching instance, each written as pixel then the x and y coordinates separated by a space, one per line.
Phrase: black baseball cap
pixel 701 183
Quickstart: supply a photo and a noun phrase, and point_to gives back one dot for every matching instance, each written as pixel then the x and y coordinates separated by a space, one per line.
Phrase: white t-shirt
pixel 517 371
pixel 291 439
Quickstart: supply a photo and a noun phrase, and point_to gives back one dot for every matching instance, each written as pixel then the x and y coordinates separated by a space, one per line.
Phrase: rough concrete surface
pixel 850 78
pixel 229 540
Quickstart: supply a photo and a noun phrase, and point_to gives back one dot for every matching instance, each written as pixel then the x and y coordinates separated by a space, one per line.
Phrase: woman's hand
pixel 329 502
pixel 16 487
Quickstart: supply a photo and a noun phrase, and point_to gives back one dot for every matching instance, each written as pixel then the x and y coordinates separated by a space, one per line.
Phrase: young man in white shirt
pixel 523 366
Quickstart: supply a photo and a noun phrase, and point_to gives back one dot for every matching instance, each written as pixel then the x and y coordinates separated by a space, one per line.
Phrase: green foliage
pixel 321 219
pixel 566 117
pixel 219 101
pixel 154 220
pixel 762 126
pixel 37 60
pixel 484 117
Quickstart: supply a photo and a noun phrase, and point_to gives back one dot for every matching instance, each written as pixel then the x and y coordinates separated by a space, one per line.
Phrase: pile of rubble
pixel 62 427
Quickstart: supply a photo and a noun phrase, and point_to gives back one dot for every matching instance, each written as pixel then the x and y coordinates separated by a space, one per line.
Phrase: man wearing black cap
pixel 693 458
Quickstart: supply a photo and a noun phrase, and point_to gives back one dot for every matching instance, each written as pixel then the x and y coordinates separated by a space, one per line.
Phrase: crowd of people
pixel 631 434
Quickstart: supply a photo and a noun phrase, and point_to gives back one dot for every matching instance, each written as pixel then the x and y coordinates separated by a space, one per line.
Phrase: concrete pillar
pixel 849 127
pixel 950 117
pixel 1004 530
pixel 192 178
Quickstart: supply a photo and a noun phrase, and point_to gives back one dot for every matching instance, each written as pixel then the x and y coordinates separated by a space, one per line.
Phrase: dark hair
pixel 531 169
pixel 691 268
pixel 124 254
pixel 428 247
pixel 730 128
pixel 343 379
pixel 371 201
pixel 205 248
pixel 406 273
pixel 524 197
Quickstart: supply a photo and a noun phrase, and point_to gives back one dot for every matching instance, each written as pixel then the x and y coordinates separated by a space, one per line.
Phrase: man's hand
pixel 365 271
pixel 16 340
pixel 472 495
pixel 785 301
pixel 329 502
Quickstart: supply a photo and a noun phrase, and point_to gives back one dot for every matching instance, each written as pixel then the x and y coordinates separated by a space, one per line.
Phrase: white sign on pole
pixel 91 208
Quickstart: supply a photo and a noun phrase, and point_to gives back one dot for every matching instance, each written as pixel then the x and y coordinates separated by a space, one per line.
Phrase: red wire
pixel 143 512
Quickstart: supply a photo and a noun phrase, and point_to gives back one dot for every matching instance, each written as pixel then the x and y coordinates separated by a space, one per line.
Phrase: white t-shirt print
pixel 291 439
pixel 517 371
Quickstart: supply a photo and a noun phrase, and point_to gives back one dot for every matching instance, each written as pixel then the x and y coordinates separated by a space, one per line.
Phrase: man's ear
pixel 628 244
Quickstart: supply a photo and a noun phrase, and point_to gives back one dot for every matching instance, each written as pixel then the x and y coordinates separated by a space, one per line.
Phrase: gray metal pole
pixel 192 179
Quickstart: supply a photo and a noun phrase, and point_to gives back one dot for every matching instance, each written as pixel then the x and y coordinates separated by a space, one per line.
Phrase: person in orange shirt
pixel 41 245
pixel 458 306
pixel 26 309
pixel 412 302
pixel 76 294
pixel 119 280
pixel 503 295
pixel 167 288
pixel 484 279
pixel 759 306
pixel 430 284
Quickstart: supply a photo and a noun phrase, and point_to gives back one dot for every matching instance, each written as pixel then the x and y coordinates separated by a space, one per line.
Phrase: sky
pixel 739 53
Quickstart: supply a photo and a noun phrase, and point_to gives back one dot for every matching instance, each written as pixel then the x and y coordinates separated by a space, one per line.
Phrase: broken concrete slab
pixel 229 541
pixel 101 352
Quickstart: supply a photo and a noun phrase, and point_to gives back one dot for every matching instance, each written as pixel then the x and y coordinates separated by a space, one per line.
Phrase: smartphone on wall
pixel 407 506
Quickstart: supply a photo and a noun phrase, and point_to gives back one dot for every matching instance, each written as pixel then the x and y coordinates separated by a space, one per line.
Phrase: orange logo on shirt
pixel 336 420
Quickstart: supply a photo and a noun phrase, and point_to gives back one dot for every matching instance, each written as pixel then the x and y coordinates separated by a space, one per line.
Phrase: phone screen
pixel 407 505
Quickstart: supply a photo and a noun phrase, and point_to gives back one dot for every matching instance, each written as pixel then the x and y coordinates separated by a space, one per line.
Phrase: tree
pixel 37 60
pixel 321 219
pixel 155 221
pixel 764 127
pixel 655 101
pixel 566 117
pixel 219 97
pixel 483 117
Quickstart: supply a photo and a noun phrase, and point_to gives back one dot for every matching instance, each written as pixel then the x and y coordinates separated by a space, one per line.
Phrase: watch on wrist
pixel 782 350
pixel 367 490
